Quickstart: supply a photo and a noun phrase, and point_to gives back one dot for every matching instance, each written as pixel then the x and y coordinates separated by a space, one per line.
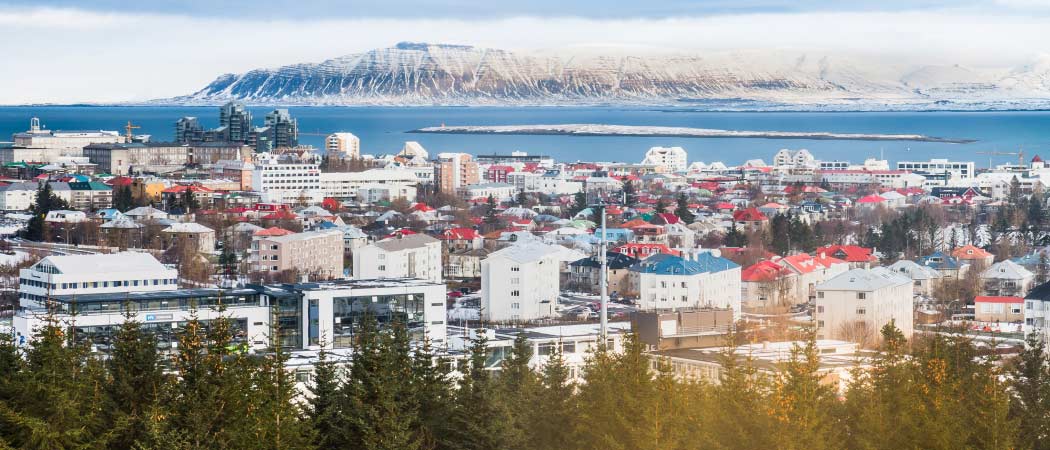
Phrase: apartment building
pixel 18 196
pixel 855 305
pixel 668 159
pixel 286 180
pixel 90 195
pixel 694 280
pixel 401 256
pixel 520 282
pixel 316 253
pixel 455 170
pixel 585 274
pixel 343 145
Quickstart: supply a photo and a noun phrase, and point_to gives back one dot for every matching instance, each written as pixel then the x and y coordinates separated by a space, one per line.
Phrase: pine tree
pixel 136 380
pixel 431 391
pixel 735 238
pixel 522 199
pixel 323 409
pixel 682 210
pixel 630 194
pixel 579 203
pixel 1042 273
pixel 1030 402
pixel 805 410
pixel 490 211
pixel 518 383
pixel 279 422
pixel 480 421
pixel 554 406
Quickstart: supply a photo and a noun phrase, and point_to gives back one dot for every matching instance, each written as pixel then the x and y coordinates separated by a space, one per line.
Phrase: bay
pixel 385 129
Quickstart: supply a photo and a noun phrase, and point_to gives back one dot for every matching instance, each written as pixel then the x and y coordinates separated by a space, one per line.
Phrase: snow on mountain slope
pixel 427 74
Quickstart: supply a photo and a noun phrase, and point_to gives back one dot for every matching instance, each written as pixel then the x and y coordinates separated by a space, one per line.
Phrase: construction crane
pixel 1019 153
pixel 127 131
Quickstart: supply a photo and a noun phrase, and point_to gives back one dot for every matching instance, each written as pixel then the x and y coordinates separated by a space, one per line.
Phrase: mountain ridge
pixel 421 74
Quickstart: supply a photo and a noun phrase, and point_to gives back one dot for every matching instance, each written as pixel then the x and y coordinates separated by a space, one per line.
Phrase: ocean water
pixel 384 130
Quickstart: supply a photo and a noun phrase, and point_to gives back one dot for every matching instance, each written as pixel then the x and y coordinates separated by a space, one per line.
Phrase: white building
pixel 396 183
pixel 697 280
pixel 789 160
pixel 855 305
pixel 401 256
pixel 1037 311
pixel 670 159
pixel 18 196
pixel 520 282
pixel 94 274
pixel 286 181
pixel 924 278
pixel 1007 279
pixel 344 145
pixel 552 182
pixel 500 192
pixel 958 170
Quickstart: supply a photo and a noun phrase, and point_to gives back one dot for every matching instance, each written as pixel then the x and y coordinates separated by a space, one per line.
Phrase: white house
pixel 1007 278
pixel 700 279
pixel 18 196
pixel 670 159
pixel 855 305
pixel 924 278
pixel 520 282
pixel 401 256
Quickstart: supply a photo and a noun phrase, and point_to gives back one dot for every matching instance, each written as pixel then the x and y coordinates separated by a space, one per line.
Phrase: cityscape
pixel 550 246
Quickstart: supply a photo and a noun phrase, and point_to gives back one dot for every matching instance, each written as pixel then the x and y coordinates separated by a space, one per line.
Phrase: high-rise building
pixel 188 130
pixel 235 122
pixel 280 130
pixel 345 145
pixel 455 170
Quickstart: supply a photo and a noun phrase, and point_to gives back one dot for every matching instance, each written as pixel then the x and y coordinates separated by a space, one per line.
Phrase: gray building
pixel 235 122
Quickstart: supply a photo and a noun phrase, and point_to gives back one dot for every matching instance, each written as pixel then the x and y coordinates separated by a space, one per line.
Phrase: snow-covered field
pixel 12 259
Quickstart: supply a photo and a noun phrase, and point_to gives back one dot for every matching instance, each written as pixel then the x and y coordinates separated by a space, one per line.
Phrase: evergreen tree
pixel 682 210
pixel 431 390
pixel 490 211
pixel 806 411
pixel 1030 402
pixel 661 206
pixel 735 238
pixel 522 199
pixel 135 384
pixel 323 411
pixel 123 199
pixel 553 407
pixel 1042 272
pixel 630 194
pixel 189 201
pixel 279 422
pixel 579 203
pixel 518 383
pixel 480 420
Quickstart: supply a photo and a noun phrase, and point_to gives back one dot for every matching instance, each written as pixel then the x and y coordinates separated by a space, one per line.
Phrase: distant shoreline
pixel 596 130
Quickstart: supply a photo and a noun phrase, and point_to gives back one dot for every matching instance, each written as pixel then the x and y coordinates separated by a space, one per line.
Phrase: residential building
pixel 946 264
pixel 856 256
pixel 975 256
pixel 65 216
pixel 18 196
pixel 924 278
pixel 188 130
pixel 195 235
pixel 585 274
pixel 235 122
pixel 90 195
pixel 318 254
pixel 500 192
pixel 998 309
pixel 855 305
pixel 669 159
pixel 279 131
pixel 454 170
pixel 811 271
pixel 520 283
pixel 768 284
pixel 1006 279
pixel 462 238
pixel 343 145
pixel 465 263
pixel 401 256
pixel 1037 312
pixel 695 280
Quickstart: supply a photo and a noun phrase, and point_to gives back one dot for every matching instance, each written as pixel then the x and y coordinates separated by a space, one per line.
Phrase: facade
pixel 501 192
pixel 213 152
pixel 1037 312
pixel 454 170
pixel 670 159
pixel 401 256
pixel 956 170
pixel 344 145
pixel 465 263
pixel 520 283
pixel 66 142
pixel 398 183
pixel 193 234
pixel 924 278
pixel 855 305
pixel 125 159
pixel 811 271
pixel 998 309
pixel 188 129
pixel 235 122
pixel 586 274
pixel 94 274
pixel 90 195
pixel 286 181
pixel 1007 278
pixel 279 131
pixel 18 196
pixel 695 280
pixel 317 253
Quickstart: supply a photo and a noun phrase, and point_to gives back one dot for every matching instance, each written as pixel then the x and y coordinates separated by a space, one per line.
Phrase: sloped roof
pixel 914 270
pixel 848 253
pixel 614 261
pixel 749 215
pixel 971 252
pixel 123 262
pixel 805 263
pixel 762 271
pixel 271 232
pixel 1007 270
pixel 864 280
pixel 664 264
pixel 405 242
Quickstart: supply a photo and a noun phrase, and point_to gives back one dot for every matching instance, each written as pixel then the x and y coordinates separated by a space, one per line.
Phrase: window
pixel 820 309
pixel 820 324
pixel 515 269
pixel 547 348
pixel 515 280
pixel 515 306
pixel 861 311
pixel 862 295
pixel 820 294
pixel 382 268
pixel 515 293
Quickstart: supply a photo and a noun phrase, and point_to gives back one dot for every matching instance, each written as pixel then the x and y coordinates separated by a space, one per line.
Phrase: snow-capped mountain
pixel 431 74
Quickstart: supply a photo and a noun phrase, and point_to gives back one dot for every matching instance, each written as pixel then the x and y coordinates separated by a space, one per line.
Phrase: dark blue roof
pixel 939 260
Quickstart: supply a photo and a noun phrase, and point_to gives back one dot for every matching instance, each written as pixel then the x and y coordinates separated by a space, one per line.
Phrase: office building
pixel 59 275
pixel 285 179
pixel 279 131
pixel 126 159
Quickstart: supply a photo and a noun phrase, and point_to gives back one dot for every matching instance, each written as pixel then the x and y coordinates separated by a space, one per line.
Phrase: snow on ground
pixel 13 259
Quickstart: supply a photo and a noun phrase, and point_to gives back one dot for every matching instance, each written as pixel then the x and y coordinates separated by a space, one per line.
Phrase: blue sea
pixel 384 130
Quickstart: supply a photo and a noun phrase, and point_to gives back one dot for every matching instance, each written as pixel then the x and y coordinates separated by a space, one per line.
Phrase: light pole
pixel 602 280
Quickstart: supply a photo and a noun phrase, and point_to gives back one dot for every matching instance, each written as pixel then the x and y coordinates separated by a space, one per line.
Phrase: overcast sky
pixel 64 51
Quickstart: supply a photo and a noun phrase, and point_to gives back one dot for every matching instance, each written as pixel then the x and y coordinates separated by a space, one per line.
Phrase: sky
pixel 63 51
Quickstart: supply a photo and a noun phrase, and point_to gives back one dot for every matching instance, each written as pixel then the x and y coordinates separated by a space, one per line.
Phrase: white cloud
pixel 67 55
